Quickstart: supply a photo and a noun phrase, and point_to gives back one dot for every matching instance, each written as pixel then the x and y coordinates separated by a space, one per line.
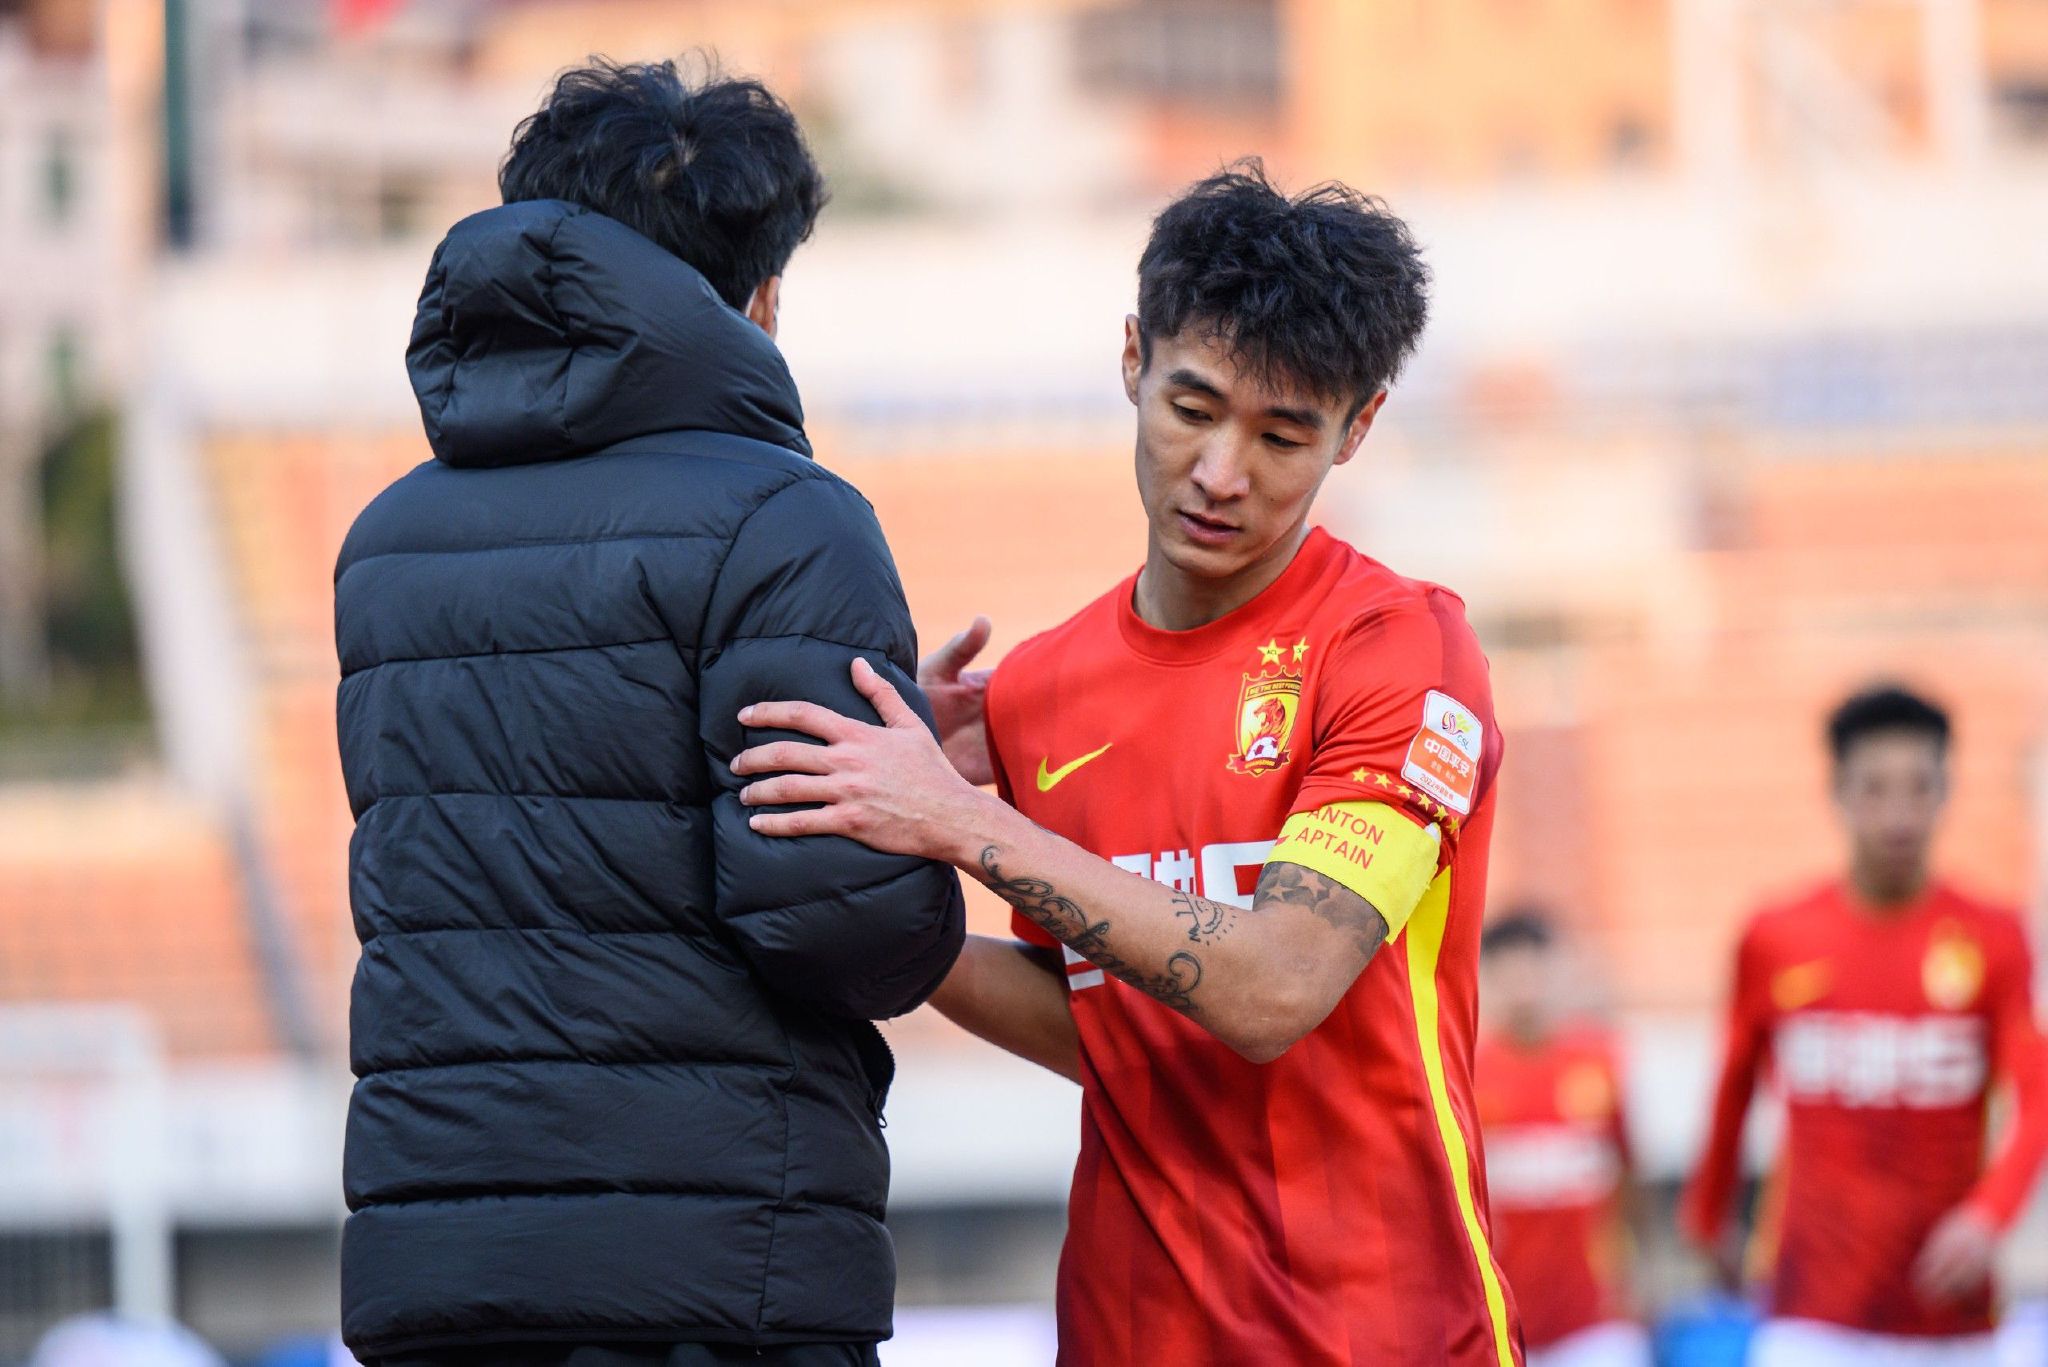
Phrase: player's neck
pixel 1885 894
pixel 1171 599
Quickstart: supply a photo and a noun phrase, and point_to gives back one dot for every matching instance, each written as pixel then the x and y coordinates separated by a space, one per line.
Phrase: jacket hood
pixel 547 331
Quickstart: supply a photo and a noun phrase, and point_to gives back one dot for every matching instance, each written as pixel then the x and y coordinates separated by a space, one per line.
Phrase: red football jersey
pixel 1329 1207
pixel 1883 1033
pixel 1556 1161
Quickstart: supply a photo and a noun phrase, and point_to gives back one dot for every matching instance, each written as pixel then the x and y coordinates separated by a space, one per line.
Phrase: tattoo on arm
pixel 1062 918
pixel 1332 903
pixel 1207 921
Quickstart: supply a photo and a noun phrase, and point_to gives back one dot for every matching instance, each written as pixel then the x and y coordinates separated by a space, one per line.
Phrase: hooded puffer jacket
pixel 617 1079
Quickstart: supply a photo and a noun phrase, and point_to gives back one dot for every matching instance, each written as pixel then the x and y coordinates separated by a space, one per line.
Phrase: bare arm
pixel 891 788
pixel 1258 993
pixel 1014 996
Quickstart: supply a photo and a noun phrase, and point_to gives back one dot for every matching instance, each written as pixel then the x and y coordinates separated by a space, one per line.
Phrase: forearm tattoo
pixel 1062 918
pixel 1331 902
pixel 1207 921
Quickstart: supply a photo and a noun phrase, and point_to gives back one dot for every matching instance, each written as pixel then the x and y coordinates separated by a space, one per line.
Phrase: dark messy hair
pixel 714 171
pixel 1884 707
pixel 1326 290
pixel 1518 928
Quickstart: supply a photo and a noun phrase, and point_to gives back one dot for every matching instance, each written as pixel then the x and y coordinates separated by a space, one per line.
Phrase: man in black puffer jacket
pixel 619 1093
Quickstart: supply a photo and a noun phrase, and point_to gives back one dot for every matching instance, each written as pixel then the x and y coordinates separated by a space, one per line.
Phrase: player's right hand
pixel 958 695
pixel 1958 1257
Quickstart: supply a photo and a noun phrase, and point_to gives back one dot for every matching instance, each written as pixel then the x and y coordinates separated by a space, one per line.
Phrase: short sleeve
pixel 1404 718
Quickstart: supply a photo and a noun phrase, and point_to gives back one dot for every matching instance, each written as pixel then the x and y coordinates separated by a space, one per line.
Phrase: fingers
pixel 1949 1267
pixel 783 757
pixel 945 663
pixel 807 717
pixel 817 821
pixel 888 703
pixel 1939 1279
pixel 787 789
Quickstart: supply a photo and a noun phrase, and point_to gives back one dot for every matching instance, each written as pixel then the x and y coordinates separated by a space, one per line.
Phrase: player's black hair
pixel 1884 707
pixel 1326 289
pixel 1518 928
pixel 715 170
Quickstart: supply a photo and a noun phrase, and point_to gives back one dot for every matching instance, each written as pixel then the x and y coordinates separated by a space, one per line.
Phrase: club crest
pixel 1953 971
pixel 1266 708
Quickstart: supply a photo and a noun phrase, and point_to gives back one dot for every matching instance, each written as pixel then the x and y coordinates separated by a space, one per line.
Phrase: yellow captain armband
pixel 1367 847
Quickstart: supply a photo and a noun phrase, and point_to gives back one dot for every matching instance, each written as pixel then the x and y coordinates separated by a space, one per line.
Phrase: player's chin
pixel 1210 556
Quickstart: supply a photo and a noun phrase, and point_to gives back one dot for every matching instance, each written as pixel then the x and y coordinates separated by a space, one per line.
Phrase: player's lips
pixel 1207 531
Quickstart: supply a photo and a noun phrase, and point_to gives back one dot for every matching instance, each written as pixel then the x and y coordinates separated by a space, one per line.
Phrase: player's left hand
pixel 1957 1258
pixel 890 786
pixel 959 699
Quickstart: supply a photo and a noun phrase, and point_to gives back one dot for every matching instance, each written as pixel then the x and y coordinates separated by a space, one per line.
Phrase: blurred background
pixel 1735 396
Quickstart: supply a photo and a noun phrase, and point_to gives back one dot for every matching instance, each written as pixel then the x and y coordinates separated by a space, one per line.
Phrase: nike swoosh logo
pixel 1047 781
pixel 1801 985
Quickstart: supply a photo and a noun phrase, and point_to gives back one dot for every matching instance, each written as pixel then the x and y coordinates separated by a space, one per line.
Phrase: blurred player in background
pixel 1557 1157
pixel 1226 785
pixel 1885 1002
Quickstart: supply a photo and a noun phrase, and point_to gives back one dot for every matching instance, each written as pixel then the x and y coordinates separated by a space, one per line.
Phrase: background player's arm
pixel 2021 1058
pixel 890 787
pixel 1707 1206
pixel 1960 1251
pixel 1014 996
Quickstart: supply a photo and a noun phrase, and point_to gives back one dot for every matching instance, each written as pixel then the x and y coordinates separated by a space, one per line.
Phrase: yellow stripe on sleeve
pixel 1424 946
pixel 1367 847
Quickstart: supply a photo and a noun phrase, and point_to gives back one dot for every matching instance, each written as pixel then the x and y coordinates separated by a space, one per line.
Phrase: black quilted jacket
pixel 617 1078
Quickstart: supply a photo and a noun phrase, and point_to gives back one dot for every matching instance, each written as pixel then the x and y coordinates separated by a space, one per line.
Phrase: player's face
pixel 1227 466
pixel 1890 789
pixel 1518 983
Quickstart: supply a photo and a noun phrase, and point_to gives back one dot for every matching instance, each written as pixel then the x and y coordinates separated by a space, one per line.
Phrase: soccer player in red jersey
pixel 1245 796
pixel 1557 1155
pixel 1884 1005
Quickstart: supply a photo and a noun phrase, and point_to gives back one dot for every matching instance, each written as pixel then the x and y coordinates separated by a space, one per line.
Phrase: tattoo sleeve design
pixel 1330 901
pixel 1062 918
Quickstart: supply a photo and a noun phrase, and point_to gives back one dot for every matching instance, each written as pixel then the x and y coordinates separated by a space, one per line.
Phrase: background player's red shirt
pixel 1329 1207
pixel 1556 1163
pixel 1883 1034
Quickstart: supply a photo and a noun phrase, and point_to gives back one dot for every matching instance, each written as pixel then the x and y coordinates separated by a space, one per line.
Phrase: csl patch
pixel 1443 759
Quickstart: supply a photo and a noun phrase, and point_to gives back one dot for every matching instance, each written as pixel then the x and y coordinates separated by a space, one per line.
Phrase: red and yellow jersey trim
pixel 1368 847
pixel 1425 944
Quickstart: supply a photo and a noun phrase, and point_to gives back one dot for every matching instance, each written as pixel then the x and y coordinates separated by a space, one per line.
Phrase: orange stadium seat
pixel 120 893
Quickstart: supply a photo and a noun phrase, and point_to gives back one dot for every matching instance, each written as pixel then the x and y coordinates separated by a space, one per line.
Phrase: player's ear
pixel 1360 425
pixel 764 305
pixel 1134 356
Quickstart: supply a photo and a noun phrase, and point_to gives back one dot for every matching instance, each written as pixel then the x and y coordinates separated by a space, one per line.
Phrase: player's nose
pixel 1223 471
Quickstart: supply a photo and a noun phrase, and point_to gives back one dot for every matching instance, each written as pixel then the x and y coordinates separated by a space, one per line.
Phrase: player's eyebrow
pixel 1298 415
pixel 1188 379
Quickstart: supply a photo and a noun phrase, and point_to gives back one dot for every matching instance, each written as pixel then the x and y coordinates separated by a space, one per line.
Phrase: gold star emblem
pixel 1300 650
pixel 1451 824
pixel 1358 775
pixel 1404 790
pixel 1270 652
pixel 1383 780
